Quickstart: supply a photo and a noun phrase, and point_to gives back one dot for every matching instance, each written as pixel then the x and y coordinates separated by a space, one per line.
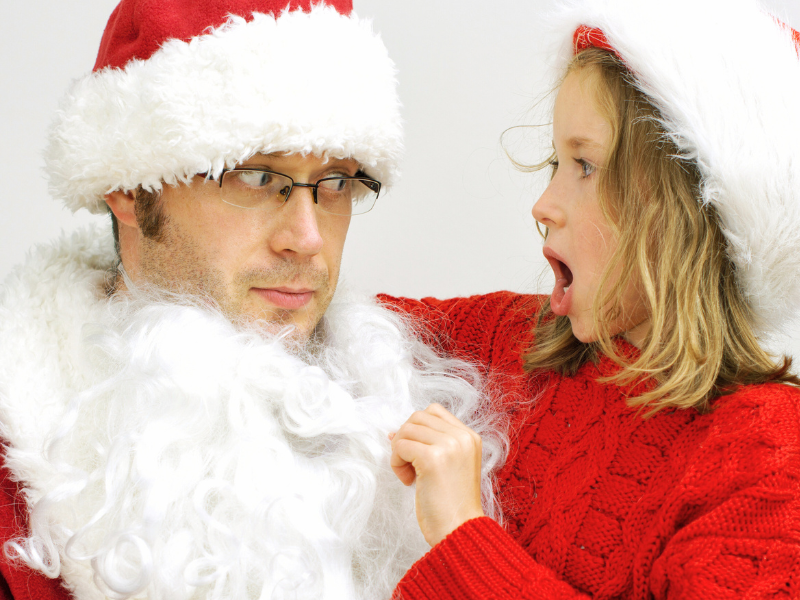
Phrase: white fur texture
pixel 165 454
pixel 726 78
pixel 316 82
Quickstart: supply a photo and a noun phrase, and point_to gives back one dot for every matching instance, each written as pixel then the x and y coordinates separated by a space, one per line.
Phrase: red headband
pixel 592 37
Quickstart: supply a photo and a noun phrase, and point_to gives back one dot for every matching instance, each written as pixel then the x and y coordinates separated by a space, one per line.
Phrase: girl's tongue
pixel 561 297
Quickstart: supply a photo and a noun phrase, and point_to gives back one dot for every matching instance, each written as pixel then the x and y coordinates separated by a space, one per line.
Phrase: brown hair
pixel 149 216
pixel 701 342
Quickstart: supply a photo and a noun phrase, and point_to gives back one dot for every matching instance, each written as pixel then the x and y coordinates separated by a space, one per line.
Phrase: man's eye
pixel 334 184
pixel 254 178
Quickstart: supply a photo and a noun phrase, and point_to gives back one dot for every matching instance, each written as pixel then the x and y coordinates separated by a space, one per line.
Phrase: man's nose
pixel 298 229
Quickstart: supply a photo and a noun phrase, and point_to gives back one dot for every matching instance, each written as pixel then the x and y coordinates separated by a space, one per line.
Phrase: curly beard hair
pixel 196 459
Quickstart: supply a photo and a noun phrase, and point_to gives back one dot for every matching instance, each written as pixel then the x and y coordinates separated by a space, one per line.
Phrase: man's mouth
pixel 285 297
pixel 560 299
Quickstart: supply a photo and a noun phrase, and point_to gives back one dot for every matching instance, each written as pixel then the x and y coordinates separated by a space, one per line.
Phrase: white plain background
pixel 459 222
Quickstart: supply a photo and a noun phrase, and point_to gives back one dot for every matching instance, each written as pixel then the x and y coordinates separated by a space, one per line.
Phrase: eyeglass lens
pixel 263 189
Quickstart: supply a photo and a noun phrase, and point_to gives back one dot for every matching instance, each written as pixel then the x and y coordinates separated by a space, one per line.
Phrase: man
pixel 179 419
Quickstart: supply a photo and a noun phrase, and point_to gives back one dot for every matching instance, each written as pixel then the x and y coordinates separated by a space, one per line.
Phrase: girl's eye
pixel 553 166
pixel 587 168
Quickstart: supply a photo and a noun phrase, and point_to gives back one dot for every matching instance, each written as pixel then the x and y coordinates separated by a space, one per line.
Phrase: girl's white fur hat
pixel 726 79
pixel 190 87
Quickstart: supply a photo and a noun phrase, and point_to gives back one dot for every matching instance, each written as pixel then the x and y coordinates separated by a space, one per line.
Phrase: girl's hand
pixel 443 456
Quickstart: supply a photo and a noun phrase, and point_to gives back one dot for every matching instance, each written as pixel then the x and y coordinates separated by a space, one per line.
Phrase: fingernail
pixel 390 436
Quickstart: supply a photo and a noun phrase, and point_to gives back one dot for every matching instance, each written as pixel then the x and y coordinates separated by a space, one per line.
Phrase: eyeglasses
pixel 255 187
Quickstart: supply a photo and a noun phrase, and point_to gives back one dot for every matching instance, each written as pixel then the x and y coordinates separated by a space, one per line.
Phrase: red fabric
pixel 21 582
pixel 601 503
pixel 590 37
pixel 796 38
pixel 137 28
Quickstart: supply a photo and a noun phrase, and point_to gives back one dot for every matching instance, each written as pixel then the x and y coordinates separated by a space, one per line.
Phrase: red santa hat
pixel 726 80
pixel 182 87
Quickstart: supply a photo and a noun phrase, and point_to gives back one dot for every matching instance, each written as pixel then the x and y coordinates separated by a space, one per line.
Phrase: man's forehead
pixel 298 157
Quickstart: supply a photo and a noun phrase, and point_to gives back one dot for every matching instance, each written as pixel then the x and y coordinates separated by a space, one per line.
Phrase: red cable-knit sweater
pixel 598 502
pixel 602 503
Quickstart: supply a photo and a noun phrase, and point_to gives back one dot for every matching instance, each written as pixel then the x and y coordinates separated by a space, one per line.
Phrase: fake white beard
pixel 202 461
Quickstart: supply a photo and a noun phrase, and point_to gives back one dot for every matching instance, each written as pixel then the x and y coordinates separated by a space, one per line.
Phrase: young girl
pixel 655 445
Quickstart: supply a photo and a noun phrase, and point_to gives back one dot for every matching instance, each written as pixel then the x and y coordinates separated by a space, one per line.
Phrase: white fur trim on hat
pixel 311 83
pixel 726 78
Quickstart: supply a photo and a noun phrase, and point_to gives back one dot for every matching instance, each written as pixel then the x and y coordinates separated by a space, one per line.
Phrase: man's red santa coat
pixel 19 581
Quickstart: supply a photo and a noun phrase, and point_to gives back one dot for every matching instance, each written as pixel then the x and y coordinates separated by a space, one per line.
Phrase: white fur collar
pixel 166 455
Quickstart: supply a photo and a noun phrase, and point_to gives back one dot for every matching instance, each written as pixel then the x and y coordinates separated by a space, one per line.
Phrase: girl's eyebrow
pixel 580 142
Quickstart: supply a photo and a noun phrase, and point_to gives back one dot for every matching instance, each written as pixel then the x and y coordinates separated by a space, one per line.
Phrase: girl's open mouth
pixel 560 299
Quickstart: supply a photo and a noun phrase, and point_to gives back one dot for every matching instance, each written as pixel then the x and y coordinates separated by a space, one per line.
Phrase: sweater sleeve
pixel 478 328
pixel 427 317
pixel 479 560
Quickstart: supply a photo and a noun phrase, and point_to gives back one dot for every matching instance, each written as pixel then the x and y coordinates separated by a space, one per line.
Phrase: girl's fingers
pixel 418 433
pixel 405 472
pixel 411 446
pixel 443 457
pixel 417 446
pixel 441 412
pixel 437 418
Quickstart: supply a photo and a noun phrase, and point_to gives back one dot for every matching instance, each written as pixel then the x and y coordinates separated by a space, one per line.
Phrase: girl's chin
pixel 585 333
pixel 581 332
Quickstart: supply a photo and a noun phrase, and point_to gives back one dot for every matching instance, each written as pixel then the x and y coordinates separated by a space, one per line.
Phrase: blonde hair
pixel 670 246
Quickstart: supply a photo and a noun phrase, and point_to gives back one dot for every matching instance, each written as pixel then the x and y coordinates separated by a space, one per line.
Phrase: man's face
pixel 276 265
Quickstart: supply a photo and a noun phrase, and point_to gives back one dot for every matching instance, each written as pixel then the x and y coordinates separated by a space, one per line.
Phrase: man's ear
pixel 123 205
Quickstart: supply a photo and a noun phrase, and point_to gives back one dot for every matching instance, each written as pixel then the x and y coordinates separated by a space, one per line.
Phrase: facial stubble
pixel 174 262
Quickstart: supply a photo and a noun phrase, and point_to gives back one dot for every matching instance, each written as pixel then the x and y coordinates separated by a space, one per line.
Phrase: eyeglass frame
pixel 359 176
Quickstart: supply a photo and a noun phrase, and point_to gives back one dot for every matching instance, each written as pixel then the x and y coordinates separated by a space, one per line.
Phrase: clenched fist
pixel 443 457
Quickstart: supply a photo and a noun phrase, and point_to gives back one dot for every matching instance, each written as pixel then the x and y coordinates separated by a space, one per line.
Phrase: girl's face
pixel 580 241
